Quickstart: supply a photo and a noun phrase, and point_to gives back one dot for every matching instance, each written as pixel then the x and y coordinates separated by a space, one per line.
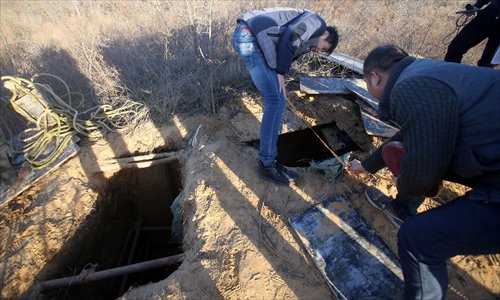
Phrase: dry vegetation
pixel 176 56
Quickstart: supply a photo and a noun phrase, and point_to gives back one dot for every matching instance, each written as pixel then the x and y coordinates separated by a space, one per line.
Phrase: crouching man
pixel 449 118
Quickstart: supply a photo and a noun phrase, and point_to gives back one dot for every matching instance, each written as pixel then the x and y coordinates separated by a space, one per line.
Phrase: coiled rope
pixel 57 122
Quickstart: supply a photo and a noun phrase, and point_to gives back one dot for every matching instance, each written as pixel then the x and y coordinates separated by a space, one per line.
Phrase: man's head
pixel 328 41
pixel 377 67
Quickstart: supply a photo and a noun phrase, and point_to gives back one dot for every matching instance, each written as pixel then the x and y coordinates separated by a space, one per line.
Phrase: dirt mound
pixel 237 240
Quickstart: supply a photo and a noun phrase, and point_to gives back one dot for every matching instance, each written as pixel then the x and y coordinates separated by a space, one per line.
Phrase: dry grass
pixel 176 56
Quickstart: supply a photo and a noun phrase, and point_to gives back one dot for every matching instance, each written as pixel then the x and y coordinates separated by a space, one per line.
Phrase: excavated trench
pixel 299 148
pixel 131 224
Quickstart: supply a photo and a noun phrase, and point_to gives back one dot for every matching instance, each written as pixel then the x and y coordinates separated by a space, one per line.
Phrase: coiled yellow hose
pixel 57 122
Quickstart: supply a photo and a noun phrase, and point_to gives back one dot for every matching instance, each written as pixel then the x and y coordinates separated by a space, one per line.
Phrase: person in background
pixel 449 130
pixel 268 41
pixel 495 61
pixel 486 25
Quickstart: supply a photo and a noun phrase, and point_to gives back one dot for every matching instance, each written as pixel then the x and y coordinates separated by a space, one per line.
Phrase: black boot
pixel 277 174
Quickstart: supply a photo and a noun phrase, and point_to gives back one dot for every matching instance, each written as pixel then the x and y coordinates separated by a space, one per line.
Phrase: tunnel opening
pixel 130 225
pixel 299 148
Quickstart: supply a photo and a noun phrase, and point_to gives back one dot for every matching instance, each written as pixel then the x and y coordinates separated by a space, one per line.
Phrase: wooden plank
pixel 320 85
pixel 351 63
pixel 353 259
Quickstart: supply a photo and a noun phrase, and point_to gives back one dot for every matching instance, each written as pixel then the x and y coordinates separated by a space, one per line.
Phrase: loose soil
pixel 237 240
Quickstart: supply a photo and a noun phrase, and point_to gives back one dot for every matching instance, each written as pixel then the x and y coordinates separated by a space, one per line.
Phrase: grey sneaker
pixel 385 204
pixel 277 174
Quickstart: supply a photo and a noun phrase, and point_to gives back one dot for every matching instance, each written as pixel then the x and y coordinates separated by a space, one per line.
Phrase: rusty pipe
pixel 104 274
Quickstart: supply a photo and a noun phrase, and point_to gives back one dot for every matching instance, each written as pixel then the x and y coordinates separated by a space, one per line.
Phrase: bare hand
pixel 281 84
pixel 355 167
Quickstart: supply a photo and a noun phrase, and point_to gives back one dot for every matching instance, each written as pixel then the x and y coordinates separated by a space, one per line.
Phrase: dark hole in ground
pixel 298 148
pixel 136 207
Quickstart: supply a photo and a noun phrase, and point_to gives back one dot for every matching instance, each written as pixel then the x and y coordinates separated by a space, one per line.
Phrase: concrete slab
pixel 353 259
pixel 363 94
pixel 374 126
pixel 320 85
pixel 345 60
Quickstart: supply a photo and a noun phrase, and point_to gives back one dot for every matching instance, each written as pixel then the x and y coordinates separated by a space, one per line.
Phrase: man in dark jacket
pixel 486 25
pixel 449 129
pixel 267 41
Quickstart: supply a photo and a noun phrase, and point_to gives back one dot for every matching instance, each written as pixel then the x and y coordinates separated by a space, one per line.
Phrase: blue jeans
pixel 465 226
pixel 266 81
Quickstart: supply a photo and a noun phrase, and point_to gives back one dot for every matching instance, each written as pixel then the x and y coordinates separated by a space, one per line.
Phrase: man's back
pixel 476 91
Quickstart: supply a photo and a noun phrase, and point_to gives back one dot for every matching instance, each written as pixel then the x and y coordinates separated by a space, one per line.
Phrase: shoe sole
pixel 389 216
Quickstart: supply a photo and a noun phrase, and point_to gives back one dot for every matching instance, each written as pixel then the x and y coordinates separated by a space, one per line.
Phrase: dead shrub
pixel 176 56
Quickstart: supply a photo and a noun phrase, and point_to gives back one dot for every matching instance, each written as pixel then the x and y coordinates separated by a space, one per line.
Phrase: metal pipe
pixel 105 274
pixel 131 253
pixel 155 228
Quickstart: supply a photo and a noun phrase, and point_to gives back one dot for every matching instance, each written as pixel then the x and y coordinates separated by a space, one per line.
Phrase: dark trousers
pixel 468 225
pixel 483 26
pixel 464 226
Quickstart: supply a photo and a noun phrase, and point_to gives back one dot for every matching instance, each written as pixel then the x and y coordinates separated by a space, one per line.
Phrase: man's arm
pixel 375 162
pixel 428 113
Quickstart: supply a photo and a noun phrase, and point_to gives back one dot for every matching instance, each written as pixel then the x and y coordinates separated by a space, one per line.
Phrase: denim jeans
pixel 266 81
pixel 460 227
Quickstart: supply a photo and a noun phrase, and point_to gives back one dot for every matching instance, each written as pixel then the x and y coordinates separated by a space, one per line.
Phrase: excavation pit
pixel 131 224
pixel 299 148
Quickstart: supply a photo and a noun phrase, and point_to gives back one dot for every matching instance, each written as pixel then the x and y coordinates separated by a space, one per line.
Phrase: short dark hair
pixel 332 39
pixel 383 58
